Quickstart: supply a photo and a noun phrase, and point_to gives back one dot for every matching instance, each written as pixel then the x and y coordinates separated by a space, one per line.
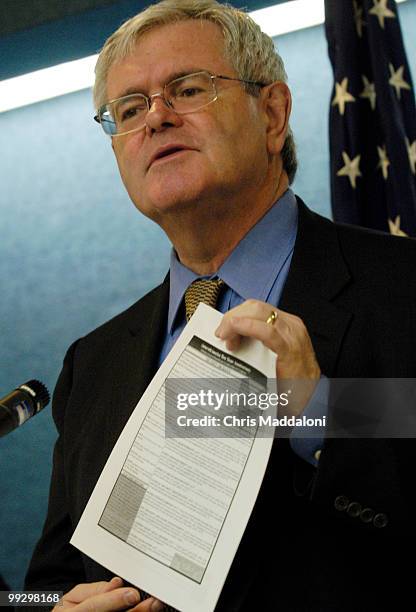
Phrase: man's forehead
pixel 167 52
pixel 184 31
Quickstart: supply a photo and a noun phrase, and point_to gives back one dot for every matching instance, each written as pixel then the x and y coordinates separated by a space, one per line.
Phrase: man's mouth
pixel 167 151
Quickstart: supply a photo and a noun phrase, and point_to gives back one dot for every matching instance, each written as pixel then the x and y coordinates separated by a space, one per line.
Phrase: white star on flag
pixel 369 92
pixel 394 227
pixel 411 151
pixel 396 80
pixel 381 11
pixel 358 17
pixel 351 168
pixel 384 162
pixel 342 96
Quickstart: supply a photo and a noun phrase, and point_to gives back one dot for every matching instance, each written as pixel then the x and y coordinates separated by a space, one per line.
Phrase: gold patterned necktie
pixel 202 290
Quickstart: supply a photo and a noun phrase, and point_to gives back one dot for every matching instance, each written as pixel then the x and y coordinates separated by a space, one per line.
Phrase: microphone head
pixel 38 391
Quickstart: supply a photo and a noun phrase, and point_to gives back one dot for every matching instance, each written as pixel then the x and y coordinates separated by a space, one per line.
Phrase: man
pixel 194 98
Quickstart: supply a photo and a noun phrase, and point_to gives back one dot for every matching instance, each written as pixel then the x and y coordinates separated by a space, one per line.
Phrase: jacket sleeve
pixel 55 564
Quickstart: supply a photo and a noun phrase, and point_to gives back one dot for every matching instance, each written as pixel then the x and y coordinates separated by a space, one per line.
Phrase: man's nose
pixel 161 115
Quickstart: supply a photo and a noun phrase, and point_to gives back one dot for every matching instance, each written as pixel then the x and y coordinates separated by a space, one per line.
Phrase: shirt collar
pixel 252 267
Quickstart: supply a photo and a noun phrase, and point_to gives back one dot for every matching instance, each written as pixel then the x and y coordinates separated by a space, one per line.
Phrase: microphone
pixel 21 404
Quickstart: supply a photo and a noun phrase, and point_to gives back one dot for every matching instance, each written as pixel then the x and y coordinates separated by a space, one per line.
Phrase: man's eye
pixel 130 112
pixel 189 92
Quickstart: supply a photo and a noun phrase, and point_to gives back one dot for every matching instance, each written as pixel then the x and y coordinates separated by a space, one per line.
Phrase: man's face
pixel 226 151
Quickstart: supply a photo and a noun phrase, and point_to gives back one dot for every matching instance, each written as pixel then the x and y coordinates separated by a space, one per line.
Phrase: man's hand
pixel 106 597
pixel 287 337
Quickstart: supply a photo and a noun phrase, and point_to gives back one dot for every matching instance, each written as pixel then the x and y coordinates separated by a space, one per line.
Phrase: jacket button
pixel 341 503
pixel 354 509
pixel 380 520
pixel 367 515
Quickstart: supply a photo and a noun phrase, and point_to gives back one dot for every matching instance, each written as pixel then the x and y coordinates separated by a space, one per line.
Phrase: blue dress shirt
pixel 257 268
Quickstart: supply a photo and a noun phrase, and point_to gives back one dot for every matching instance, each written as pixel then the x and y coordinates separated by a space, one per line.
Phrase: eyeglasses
pixel 187 94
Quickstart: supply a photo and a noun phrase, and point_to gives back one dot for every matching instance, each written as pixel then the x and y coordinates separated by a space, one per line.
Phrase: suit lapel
pixel 318 273
pixel 136 360
pixel 149 331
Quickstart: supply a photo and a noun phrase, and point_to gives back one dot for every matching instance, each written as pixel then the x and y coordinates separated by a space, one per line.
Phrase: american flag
pixel 372 117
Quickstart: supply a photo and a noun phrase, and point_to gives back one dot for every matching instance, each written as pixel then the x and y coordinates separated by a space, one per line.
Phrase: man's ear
pixel 277 104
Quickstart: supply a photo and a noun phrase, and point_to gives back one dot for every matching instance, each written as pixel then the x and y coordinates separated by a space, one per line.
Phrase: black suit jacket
pixel 304 548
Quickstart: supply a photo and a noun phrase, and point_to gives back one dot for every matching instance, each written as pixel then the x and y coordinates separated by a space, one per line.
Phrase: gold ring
pixel 272 317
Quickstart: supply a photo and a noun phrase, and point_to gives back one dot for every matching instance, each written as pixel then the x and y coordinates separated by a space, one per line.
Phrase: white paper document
pixel 170 508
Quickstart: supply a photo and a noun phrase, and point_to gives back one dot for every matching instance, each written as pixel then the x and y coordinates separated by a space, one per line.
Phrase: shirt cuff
pixel 303 443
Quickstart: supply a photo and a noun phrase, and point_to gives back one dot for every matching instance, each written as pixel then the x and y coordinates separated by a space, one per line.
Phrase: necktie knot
pixel 202 290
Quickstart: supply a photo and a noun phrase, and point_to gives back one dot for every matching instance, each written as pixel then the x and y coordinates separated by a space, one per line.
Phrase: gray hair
pixel 251 52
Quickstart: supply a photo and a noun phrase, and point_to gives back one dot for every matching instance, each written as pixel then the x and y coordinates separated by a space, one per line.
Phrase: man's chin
pixel 166 206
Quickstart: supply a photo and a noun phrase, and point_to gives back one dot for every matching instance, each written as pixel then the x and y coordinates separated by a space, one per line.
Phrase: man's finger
pixel 257 311
pixel 118 599
pixel 149 605
pixel 83 591
pixel 271 336
pixel 250 308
